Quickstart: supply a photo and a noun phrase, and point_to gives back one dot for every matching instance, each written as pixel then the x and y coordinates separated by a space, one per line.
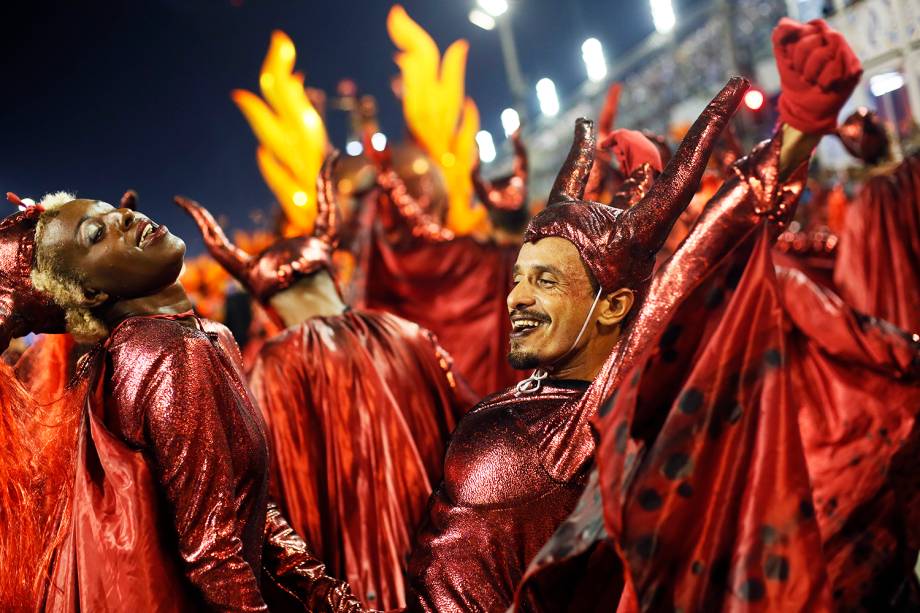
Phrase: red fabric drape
pixel 458 290
pixel 878 260
pixel 359 408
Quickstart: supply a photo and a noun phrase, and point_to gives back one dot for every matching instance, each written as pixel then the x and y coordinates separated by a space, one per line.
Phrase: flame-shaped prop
pixel 292 137
pixel 439 116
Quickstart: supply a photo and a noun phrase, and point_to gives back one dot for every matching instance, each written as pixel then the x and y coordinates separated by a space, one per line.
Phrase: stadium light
pixel 379 141
pixel 354 147
pixel 495 8
pixel 511 121
pixel 486 146
pixel 592 52
pixel 482 19
pixel 547 97
pixel 663 15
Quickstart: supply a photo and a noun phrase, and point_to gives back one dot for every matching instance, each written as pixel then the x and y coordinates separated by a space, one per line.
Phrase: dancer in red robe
pixel 359 406
pixel 165 505
pixel 518 462
pixel 778 472
pixel 452 285
pixel 878 256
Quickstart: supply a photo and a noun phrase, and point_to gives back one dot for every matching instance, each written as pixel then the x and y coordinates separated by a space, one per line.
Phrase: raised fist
pixel 632 149
pixel 818 71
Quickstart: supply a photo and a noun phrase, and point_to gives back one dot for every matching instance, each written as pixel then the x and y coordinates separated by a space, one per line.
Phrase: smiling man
pixel 517 463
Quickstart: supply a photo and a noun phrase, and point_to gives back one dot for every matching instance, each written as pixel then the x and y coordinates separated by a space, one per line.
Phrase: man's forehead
pixel 552 253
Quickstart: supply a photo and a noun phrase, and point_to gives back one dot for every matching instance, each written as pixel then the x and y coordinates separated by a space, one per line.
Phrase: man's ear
pixel 93 298
pixel 616 306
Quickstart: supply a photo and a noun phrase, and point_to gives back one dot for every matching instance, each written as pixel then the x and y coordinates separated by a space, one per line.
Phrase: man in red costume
pixel 359 405
pixel 778 472
pixel 518 462
pixel 878 259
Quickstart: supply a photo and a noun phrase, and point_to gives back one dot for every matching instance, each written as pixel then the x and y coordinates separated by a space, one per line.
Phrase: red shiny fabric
pixel 169 508
pixel 456 289
pixel 877 270
pixel 359 408
pixel 496 505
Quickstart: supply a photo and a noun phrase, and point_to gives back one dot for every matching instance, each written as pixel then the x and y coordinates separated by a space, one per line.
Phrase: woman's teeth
pixel 147 231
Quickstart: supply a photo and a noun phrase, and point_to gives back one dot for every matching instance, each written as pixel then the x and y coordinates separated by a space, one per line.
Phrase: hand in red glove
pixel 817 70
pixel 632 149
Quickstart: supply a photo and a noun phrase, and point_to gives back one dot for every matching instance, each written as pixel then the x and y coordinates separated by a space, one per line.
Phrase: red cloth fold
pixel 877 269
pixel 359 407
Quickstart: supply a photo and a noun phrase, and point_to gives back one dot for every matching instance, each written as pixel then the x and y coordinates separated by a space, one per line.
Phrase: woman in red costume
pixel 166 501
pixel 779 473
pixel 878 259
pixel 359 406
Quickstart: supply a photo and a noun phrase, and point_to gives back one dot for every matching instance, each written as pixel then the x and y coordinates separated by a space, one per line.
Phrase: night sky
pixel 102 96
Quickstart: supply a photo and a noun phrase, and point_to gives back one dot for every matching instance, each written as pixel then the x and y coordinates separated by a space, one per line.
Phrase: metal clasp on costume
pixel 532 383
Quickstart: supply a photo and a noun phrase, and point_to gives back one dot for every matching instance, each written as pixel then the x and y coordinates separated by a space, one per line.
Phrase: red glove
pixel 818 72
pixel 632 149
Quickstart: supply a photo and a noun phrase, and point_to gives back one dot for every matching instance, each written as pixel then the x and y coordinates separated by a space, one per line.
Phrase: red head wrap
pixel 23 309
pixel 864 136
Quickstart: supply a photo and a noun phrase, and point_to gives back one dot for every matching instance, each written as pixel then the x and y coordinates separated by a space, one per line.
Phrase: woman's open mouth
pixel 149 232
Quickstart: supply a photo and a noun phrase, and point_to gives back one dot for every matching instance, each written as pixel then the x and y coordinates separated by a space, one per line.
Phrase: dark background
pixel 102 96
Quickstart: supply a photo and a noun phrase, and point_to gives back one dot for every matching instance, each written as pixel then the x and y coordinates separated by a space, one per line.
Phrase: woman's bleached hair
pixel 64 287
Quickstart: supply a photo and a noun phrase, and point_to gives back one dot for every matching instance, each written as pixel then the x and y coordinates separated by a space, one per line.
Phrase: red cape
pixel 359 408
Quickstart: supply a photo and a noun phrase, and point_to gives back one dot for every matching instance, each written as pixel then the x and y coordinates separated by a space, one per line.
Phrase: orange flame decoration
pixel 292 137
pixel 205 281
pixel 442 120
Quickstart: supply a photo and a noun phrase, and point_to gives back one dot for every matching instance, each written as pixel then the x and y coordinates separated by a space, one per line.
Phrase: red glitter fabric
pixel 496 506
pixel 456 289
pixel 877 269
pixel 359 408
pixel 779 472
pixel 170 508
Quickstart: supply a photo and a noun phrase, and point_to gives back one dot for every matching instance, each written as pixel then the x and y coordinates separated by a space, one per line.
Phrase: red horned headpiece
pixel 864 136
pixel 275 269
pixel 23 308
pixel 619 246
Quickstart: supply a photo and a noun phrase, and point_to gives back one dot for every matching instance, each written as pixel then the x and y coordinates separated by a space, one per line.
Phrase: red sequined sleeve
pixel 753 192
pixel 167 403
pixel 294 569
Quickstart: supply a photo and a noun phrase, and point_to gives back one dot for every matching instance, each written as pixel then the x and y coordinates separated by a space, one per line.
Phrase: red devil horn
pixel 129 200
pixel 573 176
pixel 326 227
pixel 652 218
pixel 608 116
pixel 232 258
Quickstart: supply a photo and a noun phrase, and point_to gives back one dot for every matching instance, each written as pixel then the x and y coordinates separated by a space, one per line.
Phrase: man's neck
pixel 313 296
pixel 586 362
pixel 171 300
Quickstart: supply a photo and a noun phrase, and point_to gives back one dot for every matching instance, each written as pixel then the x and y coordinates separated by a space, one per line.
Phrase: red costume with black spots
pixel 518 461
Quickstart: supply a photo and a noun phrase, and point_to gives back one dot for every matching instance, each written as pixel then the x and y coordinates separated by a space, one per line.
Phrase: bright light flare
pixel 663 15
pixel 300 198
pixel 486 146
pixel 495 8
pixel 885 83
pixel 379 141
pixel 511 121
pixel 482 19
pixel 592 52
pixel 547 97
pixel 754 99
pixel 354 147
